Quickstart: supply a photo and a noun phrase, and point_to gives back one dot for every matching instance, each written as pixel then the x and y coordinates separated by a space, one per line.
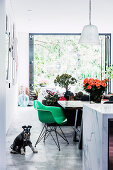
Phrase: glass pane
pixel 58 54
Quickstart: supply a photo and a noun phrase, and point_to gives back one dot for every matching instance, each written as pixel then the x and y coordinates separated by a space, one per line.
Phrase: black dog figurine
pixel 21 141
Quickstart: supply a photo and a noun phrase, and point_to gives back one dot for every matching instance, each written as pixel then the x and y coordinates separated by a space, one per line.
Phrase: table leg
pixel 81 133
pixel 75 126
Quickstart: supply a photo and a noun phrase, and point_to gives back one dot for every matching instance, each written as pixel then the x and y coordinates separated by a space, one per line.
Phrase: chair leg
pixel 45 133
pixel 57 140
pixel 45 136
pixel 42 133
pixel 64 137
pixel 57 143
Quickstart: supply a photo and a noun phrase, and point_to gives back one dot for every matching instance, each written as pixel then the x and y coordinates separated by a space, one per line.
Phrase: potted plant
pixel 95 88
pixel 51 99
pixel 64 81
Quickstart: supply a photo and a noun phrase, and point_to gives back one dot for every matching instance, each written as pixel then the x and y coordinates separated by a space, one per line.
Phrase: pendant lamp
pixel 89 33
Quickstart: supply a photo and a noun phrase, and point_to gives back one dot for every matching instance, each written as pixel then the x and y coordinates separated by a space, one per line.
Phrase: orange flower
pixel 85 80
pixel 103 81
pixel 91 83
pixel 88 87
pixel 98 81
pixel 107 80
pixel 98 84
pixel 104 84
pixel 90 80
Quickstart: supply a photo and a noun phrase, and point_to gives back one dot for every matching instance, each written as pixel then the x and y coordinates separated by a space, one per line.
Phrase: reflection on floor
pixel 48 156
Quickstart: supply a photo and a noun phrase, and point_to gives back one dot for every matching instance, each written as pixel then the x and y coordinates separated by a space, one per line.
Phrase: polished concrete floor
pixel 48 156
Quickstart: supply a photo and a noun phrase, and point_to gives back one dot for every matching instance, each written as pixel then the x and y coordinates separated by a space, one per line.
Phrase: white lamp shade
pixel 89 35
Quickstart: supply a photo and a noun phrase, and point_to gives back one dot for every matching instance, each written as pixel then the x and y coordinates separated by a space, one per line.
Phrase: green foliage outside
pixel 109 72
pixel 58 54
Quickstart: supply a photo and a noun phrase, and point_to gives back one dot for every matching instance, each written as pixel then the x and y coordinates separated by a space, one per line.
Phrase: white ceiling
pixel 61 15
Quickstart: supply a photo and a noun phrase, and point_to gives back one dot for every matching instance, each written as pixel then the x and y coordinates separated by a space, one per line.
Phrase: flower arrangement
pixel 95 87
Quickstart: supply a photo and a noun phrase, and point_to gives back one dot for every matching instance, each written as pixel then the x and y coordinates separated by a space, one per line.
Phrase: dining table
pixel 75 105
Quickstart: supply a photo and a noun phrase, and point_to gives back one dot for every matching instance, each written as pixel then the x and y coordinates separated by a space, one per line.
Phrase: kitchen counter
pixel 95 135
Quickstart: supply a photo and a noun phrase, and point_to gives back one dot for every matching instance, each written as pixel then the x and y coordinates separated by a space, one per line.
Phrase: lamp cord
pixel 89 12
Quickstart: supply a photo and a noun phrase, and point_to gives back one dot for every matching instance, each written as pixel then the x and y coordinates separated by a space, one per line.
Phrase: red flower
pixel 85 81
pixel 104 84
pixel 53 93
pixel 98 84
pixel 62 99
pixel 88 87
pixel 107 80
pixel 91 82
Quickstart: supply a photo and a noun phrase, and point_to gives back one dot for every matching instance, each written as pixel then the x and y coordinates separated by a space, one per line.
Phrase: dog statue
pixel 21 141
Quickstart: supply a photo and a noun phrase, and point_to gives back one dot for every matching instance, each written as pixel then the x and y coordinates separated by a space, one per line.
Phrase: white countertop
pixel 102 108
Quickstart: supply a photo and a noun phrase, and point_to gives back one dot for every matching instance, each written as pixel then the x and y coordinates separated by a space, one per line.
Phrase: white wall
pixel 11 104
pixel 23 59
pixel 11 93
pixel 2 85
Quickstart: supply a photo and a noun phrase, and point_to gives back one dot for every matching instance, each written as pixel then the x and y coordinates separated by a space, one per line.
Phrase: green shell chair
pixel 52 117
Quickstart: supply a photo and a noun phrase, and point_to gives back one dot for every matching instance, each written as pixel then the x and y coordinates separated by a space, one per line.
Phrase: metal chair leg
pixel 57 140
pixel 40 136
pixel 57 143
pixel 63 135
pixel 45 133
pixel 45 136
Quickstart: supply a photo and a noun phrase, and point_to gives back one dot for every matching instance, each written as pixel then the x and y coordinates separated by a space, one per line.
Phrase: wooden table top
pixel 73 104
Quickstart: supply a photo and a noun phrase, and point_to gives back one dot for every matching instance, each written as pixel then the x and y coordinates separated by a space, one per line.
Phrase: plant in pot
pixel 95 88
pixel 64 81
pixel 51 99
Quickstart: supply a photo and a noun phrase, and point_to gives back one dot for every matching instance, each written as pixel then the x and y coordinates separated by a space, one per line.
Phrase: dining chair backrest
pixel 49 113
pixel 38 105
pixel 44 115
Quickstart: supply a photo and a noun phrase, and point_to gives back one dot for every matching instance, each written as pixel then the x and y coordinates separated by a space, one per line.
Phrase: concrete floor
pixel 48 156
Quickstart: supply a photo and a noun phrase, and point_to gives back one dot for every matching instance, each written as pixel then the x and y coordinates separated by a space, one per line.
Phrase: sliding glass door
pixel 53 54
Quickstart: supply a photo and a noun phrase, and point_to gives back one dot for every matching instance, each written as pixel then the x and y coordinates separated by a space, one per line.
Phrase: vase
pixel 67 94
pixel 95 97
